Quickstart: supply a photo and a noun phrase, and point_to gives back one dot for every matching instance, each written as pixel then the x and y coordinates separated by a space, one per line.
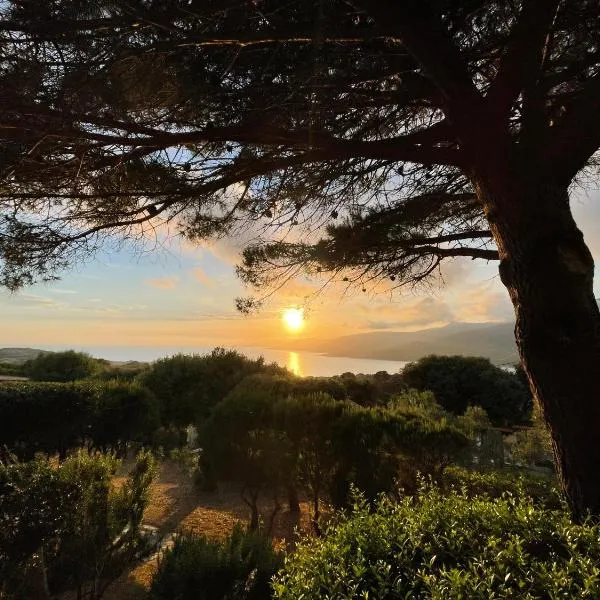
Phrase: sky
pixel 181 295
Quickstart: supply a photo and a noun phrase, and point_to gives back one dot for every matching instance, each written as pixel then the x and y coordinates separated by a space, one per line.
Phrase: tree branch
pixel 576 136
pixel 429 43
pixel 319 145
pixel 456 252
pixel 521 63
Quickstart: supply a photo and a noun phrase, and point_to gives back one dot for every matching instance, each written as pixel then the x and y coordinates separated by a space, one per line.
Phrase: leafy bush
pixel 67 526
pixel 62 366
pixel 58 417
pixel 462 381
pixel 438 547
pixel 188 386
pixel 197 568
pixel 44 417
pixel 532 446
pixel 542 489
pixel 123 412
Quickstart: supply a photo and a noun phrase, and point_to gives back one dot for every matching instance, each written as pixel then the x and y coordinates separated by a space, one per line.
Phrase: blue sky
pixel 183 295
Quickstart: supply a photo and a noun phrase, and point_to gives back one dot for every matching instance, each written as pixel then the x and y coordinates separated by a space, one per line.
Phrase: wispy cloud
pixel 37 301
pixel 163 283
pixel 62 291
pixel 201 277
pixel 422 312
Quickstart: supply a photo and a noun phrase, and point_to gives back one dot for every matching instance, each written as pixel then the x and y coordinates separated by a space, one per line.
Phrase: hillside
pixel 18 356
pixel 493 340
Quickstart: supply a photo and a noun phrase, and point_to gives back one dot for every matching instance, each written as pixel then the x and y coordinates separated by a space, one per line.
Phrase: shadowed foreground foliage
pixel 67 526
pixel 196 568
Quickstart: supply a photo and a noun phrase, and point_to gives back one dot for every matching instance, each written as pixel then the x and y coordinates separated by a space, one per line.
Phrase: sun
pixel 293 318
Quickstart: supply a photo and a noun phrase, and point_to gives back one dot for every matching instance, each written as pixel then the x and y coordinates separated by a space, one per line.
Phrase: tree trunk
pixel 316 514
pixel 293 500
pixel 548 271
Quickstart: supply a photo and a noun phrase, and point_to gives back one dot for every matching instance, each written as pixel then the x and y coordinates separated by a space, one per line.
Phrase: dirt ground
pixel 177 506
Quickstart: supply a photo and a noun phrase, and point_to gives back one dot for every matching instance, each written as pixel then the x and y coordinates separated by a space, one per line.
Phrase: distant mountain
pixel 17 356
pixel 493 340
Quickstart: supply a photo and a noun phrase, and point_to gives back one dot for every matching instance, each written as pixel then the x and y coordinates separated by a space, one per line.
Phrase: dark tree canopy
pixel 462 381
pixel 117 117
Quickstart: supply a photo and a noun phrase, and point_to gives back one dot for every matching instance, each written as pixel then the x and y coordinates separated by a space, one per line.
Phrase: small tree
pixel 188 386
pixel 62 366
pixel 308 421
pixel 533 446
pixel 462 381
pixel 241 444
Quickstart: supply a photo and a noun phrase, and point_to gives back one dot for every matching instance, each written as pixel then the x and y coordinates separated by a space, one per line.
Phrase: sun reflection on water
pixel 293 363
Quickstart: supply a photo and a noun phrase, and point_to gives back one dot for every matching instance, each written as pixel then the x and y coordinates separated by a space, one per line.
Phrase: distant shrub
pixel 62 366
pixel 189 386
pixel 196 568
pixel 439 547
pixel 11 369
pixel 532 446
pixel 167 439
pixel 462 381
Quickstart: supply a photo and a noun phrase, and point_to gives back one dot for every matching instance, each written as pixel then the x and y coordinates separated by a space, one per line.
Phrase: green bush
pixel 58 417
pixel 542 489
pixel 197 568
pixel 436 546
pixel 189 386
pixel 462 381
pixel 45 417
pixel 62 366
pixel 67 526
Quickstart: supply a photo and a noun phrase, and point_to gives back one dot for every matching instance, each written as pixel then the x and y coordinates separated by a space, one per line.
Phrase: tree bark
pixel 548 271
pixel 293 500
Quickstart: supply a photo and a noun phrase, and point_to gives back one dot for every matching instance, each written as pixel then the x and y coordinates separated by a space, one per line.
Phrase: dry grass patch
pixel 176 505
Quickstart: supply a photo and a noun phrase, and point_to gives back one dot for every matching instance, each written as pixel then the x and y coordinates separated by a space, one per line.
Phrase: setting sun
pixel 293 318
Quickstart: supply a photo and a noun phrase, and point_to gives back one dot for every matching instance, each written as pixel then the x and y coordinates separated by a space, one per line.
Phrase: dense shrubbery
pixel 542 489
pixel 462 381
pixel 67 526
pixel 62 366
pixel 447 547
pixel 196 568
pixel 11 369
pixel 57 417
pixel 269 443
pixel 44 417
pixel 189 386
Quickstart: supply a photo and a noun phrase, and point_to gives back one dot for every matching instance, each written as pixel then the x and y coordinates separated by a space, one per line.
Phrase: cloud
pixel 422 312
pixel 485 302
pixel 201 277
pixel 35 301
pixel 163 283
pixel 62 291
pixel 296 290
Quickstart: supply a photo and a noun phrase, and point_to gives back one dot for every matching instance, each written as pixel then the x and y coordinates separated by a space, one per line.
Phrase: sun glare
pixel 293 318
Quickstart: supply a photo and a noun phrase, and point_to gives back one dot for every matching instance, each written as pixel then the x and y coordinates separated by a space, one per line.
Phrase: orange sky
pixel 184 295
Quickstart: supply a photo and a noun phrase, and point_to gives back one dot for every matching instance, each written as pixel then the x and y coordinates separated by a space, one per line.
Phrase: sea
pixel 301 363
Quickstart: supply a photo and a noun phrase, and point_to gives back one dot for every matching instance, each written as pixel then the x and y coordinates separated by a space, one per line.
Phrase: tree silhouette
pixel 387 136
